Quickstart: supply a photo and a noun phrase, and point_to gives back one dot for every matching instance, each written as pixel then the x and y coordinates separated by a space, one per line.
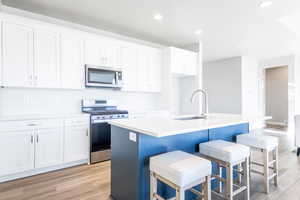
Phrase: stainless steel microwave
pixel 96 76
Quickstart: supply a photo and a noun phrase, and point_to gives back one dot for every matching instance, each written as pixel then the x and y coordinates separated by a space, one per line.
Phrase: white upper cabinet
pixel 30 57
pixel 92 51
pixel 156 70
pixel 102 52
pixel 71 61
pixel 143 70
pixel 40 55
pixel 49 147
pixel 129 67
pixel 191 63
pixel 16 152
pixel 46 65
pixel 17 55
pixel 182 62
pixel 149 69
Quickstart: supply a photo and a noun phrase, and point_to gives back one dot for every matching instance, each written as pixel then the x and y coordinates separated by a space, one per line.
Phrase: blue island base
pixel 130 177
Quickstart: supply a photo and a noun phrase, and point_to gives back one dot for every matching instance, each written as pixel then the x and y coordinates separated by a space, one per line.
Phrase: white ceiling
pixel 231 27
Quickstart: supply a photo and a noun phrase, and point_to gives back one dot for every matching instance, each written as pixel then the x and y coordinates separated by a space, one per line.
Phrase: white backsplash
pixel 23 101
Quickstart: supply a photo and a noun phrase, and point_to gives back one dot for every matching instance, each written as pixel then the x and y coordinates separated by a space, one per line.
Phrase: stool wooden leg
pixel 246 176
pixel 180 194
pixel 239 174
pixel 275 166
pixel 250 158
pixel 266 171
pixel 153 186
pixel 229 182
pixel 207 188
pixel 220 182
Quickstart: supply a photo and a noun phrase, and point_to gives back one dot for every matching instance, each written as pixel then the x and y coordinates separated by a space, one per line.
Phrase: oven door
pixel 101 77
pixel 100 141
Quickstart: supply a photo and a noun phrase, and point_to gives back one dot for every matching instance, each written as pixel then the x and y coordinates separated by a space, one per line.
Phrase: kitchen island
pixel 134 141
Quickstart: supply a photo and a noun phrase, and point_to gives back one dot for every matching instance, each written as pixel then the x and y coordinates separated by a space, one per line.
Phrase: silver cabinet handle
pixel 31 124
pixel 35 77
pixel 31 139
pixel 37 138
pixel 87 132
pixel 30 79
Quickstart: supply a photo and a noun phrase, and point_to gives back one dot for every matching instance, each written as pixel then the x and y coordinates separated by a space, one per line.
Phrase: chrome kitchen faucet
pixel 204 94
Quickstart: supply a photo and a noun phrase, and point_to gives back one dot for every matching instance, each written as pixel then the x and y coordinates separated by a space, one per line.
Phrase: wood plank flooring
pixel 93 182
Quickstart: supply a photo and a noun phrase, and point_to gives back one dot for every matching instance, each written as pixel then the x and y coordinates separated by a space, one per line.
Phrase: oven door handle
pixel 99 121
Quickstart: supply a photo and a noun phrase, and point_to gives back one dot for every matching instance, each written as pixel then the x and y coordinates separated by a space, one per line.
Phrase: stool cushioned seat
pixel 225 151
pixel 180 168
pixel 258 141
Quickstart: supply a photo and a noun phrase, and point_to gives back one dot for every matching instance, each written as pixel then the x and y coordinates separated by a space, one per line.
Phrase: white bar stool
pixel 266 145
pixel 227 155
pixel 180 171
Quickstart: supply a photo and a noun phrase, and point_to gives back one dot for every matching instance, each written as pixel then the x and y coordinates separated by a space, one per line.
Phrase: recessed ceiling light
pixel 265 4
pixel 158 17
pixel 198 32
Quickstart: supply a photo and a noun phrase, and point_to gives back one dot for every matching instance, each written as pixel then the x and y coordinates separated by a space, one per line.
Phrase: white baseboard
pixel 40 171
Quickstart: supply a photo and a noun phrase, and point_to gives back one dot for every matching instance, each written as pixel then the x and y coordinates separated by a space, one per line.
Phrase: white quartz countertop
pixel 38 117
pixel 167 126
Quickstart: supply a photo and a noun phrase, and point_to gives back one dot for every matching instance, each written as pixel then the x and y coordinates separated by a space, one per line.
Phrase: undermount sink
pixel 191 117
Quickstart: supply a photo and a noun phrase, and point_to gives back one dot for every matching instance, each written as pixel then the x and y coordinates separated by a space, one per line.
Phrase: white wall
pixel 277 94
pixel 222 80
pixel 250 86
pixel 18 101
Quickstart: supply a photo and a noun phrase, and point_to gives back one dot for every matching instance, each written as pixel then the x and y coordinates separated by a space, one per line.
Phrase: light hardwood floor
pixel 93 182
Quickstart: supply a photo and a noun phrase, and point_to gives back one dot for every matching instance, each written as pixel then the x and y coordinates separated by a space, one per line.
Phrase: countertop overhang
pixel 168 126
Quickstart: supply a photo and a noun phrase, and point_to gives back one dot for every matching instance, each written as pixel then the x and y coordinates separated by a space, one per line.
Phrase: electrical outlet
pixel 132 136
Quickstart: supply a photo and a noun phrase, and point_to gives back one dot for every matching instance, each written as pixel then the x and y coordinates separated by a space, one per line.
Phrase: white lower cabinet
pixel 16 152
pixel 35 146
pixel 49 147
pixel 76 145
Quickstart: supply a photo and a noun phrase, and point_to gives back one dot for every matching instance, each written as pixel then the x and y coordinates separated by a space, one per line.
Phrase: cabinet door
pixel 76 144
pixel 107 53
pixel 112 54
pixel 143 70
pixel 191 63
pixel 46 59
pixel 49 147
pixel 176 60
pixel 102 52
pixel 16 152
pixel 129 66
pixel 17 51
pixel 92 52
pixel 72 67
pixel 156 70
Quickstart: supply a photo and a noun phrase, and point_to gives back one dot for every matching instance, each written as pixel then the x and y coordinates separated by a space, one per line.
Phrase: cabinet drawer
pixel 7 126
pixel 77 121
pixel 49 123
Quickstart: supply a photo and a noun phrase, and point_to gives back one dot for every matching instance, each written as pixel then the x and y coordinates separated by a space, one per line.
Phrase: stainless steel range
pixel 102 111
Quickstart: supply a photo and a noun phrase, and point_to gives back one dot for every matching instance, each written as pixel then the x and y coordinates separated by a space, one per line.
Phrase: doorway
pixel 276 97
